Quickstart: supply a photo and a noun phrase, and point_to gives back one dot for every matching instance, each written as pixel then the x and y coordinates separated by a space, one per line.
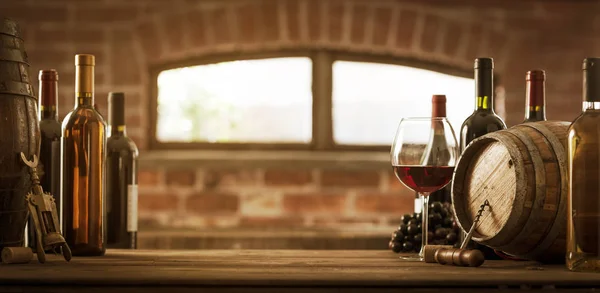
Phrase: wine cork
pixel 16 255
pixel 429 252
pixel 459 257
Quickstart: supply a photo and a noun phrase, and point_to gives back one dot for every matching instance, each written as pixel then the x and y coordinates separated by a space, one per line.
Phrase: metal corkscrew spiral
pixel 475 221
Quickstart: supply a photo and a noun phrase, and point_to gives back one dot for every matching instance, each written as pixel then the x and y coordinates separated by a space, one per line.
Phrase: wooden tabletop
pixel 276 270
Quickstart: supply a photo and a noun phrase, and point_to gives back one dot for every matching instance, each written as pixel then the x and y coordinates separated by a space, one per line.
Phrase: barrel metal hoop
pixel 10 27
pixel 17 88
pixel 14 55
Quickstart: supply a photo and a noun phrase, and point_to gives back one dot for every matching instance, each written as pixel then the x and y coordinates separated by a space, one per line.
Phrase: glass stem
pixel 424 221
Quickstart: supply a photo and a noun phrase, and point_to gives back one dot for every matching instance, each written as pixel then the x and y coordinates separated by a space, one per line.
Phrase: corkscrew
pixel 475 221
pixel 42 208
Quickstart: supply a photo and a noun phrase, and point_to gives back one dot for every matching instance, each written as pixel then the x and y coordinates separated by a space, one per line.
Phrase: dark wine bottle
pixel 83 151
pixel 483 120
pixel 438 141
pixel 583 216
pixel 121 176
pixel 535 102
pixel 50 136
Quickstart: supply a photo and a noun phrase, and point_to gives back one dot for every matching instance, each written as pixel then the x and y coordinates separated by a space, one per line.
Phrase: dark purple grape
pixel 417 239
pixel 451 237
pixel 397 236
pixel 412 229
pixel 403 228
pixel 435 219
pixel 413 222
pixel 447 222
pixel 418 217
pixel 406 218
pixel 436 206
pixel 441 233
pixel 444 213
pixel 420 227
pixel 407 238
pixel 397 247
pixel 429 237
pixel 407 246
pixel 447 205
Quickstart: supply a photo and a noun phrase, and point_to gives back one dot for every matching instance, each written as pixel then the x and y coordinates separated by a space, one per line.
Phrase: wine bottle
pixel 535 101
pixel 121 176
pixel 437 145
pixel 583 207
pixel 50 136
pixel 83 150
pixel 483 120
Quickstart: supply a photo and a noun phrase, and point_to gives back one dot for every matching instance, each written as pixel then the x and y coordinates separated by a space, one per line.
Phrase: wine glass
pixel 423 156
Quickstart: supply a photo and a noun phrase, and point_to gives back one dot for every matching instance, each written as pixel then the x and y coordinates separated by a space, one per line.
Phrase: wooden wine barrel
pixel 19 133
pixel 522 172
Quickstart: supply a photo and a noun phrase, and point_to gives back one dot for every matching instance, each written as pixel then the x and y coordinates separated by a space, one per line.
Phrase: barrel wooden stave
pixel 541 235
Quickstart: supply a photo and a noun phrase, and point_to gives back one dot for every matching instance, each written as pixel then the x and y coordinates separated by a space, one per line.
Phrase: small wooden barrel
pixel 19 133
pixel 522 172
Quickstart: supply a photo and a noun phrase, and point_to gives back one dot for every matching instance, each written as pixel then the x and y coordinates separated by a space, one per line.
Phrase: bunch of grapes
pixel 442 229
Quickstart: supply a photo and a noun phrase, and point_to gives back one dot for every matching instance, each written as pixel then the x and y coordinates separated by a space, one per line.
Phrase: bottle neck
pixel 118 130
pixel 84 100
pixel 48 99
pixel 484 89
pixel 535 109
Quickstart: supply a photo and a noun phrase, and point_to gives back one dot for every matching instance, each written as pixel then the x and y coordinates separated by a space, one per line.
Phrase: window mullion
pixel 322 101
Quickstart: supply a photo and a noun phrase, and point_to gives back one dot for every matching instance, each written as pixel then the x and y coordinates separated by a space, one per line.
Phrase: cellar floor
pixel 280 271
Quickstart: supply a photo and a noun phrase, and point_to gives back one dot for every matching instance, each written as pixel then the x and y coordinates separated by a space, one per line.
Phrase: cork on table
pixel 276 270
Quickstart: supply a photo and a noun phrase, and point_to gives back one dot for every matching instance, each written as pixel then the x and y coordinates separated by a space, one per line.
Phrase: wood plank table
pixel 280 271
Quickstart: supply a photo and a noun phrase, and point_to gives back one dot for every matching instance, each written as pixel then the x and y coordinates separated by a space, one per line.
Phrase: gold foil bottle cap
pixel 85 60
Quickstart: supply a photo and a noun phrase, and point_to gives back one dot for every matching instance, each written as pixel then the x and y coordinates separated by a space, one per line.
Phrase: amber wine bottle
pixel 583 229
pixel 121 175
pixel 83 151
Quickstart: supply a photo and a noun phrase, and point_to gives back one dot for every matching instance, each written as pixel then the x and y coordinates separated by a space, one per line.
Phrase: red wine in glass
pixel 424 178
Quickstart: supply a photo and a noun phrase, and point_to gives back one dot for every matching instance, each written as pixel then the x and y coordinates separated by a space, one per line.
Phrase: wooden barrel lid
pixel 492 167
pixel 10 27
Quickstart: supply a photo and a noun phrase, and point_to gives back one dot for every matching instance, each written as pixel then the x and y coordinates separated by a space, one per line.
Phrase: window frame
pixel 322 97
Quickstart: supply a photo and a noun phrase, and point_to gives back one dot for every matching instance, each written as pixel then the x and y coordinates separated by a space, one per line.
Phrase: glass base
pixel 581 262
pixel 415 258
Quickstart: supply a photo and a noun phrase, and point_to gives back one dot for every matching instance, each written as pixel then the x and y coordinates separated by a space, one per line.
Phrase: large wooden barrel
pixel 522 172
pixel 18 133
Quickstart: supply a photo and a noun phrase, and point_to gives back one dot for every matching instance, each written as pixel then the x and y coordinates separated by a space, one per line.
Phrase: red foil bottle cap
pixel 49 75
pixel 438 106
pixel 535 75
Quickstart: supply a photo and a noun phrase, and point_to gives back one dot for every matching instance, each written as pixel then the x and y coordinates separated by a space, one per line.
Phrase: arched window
pixel 318 100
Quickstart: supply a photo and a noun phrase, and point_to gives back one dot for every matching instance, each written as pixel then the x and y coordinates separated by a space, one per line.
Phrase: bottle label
pixel 132 208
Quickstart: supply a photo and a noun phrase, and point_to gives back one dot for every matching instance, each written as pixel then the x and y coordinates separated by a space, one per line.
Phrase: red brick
pixel 224 178
pixel 359 23
pixel 381 28
pixel 270 21
pixel 175 31
pixel 35 13
pixel 157 202
pixel 196 29
pixel 336 16
pixel 149 177
pixel 497 42
pixel 405 28
pixel 475 35
pixel 288 177
pixel 272 222
pixel 124 62
pixel 293 19
pixel 313 15
pixel 454 32
pixel 429 38
pixel 350 178
pixel 385 203
pixel 394 182
pixel 246 20
pixel 133 120
pixel 141 140
pixel 132 100
pixel 106 14
pixel 181 177
pixel 221 26
pixel 213 203
pixel 314 203
pixel 570 7
pixel 148 36
pixel 45 36
pixel 88 36
pixel 48 57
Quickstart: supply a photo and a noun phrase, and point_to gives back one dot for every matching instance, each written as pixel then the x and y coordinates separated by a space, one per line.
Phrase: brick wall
pixel 130 37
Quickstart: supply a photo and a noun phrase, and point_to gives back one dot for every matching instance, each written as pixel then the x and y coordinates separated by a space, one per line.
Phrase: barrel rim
pixel 464 162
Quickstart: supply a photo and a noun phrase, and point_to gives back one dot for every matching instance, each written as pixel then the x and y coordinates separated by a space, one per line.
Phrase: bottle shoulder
pixel 83 116
pixel 121 144
pixel 484 118
pixel 50 128
pixel 586 122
